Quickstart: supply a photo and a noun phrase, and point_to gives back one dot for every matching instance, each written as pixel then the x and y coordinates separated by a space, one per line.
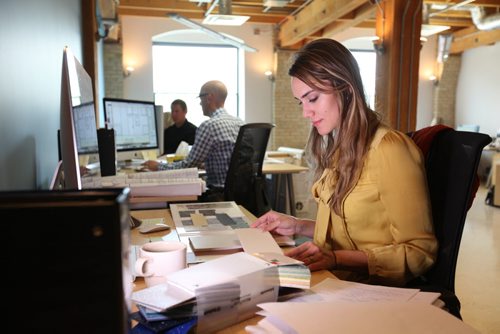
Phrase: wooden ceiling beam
pixel 484 3
pixel 451 23
pixel 191 10
pixel 315 16
pixel 472 38
pixel 360 15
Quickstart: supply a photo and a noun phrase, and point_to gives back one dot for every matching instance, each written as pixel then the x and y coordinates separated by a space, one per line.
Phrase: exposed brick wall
pixel 444 95
pixel 291 129
pixel 113 71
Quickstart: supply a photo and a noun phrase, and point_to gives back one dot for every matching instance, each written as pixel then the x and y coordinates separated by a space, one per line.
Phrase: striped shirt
pixel 212 148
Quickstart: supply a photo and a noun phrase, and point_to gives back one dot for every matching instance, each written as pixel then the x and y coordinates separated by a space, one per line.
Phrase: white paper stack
pixel 349 307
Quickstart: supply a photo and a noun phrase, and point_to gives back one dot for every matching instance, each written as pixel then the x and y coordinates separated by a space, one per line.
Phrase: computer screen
pixel 134 123
pixel 78 135
pixel 85 128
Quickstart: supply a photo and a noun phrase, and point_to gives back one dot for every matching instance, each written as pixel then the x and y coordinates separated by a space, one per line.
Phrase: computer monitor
pixel 84 121
pixel 78 135
pixel 135 126
pixel 70 270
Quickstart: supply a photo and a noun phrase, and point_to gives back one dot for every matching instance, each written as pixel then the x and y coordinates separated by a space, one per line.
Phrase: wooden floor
pixel 478 269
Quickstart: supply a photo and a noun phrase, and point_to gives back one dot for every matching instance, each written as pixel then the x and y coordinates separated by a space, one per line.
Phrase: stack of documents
pixel 292 273
pixel 219 292
pixel 341 304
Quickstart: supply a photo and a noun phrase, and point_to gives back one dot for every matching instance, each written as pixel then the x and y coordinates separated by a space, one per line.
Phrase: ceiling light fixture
pixel 194 25
pixel 225 17
pixel 429 30
pixel 225 20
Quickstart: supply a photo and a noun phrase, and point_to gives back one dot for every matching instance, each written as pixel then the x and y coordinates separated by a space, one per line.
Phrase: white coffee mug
pixel 158 259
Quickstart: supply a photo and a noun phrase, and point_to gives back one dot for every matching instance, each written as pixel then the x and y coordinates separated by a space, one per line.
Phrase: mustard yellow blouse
pixel 387 213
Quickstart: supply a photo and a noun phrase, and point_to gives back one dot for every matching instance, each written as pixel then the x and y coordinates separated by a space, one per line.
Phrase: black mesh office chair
pixel 451 161
pixel 245 183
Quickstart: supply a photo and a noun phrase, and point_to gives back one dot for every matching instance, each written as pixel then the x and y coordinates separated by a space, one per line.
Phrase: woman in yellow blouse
pixel 374 219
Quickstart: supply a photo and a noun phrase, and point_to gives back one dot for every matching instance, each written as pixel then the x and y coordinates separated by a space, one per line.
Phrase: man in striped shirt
pixel 214 140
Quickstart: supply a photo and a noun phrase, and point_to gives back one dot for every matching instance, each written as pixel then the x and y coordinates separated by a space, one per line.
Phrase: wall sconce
pixel 378 45
pixel 269 74
pixel 423 40
pixel 434 79
pixel 127 71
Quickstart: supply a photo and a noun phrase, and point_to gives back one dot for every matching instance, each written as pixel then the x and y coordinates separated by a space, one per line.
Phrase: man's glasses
pixel 202 95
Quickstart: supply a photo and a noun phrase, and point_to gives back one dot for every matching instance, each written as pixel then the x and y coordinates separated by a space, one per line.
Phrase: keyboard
pixel 177 182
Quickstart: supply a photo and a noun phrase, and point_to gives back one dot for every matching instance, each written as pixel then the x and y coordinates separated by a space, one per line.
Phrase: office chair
pixel 451 161
pixel 245 183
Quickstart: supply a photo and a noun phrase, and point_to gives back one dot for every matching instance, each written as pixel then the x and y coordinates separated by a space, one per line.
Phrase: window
pixel 179 71
pixel 367 61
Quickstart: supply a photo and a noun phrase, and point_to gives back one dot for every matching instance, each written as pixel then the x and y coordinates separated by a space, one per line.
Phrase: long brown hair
pixel 327 66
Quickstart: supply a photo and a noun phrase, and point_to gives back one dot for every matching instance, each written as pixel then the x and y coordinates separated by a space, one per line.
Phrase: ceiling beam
pixel 472 38
pixel 315 16
pixel 361 14
pixel 486 3
pixel 159 8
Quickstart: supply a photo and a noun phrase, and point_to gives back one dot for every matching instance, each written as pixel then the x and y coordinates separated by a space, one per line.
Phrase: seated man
pixel 214 140
pixel 181 130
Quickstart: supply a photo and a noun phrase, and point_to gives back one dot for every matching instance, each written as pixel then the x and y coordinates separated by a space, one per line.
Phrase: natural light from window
pixel 367 61
pixel 179 71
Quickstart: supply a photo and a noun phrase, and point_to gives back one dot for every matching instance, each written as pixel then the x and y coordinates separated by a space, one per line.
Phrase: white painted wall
pixel 478 91
pixel 137 36
pixel 427 63
pixel 33 35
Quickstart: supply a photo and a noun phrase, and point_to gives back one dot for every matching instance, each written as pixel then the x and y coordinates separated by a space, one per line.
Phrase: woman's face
pixel 322 109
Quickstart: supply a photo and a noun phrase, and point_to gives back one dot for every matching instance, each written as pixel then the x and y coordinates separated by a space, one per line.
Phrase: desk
pixel 139 239
pixel 284 170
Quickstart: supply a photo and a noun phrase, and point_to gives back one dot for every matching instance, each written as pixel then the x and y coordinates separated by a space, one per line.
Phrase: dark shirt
pixel 172 136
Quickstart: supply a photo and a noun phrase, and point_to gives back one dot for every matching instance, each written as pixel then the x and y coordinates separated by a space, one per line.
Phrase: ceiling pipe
pixel 483 22
pixel 225 7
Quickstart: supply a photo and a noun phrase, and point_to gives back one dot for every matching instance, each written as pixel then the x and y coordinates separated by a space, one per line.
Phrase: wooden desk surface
pixel 139 239
pixel 282 168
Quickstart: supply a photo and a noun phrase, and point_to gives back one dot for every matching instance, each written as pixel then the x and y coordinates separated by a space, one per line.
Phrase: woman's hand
pixel 313 256
pixel 276 223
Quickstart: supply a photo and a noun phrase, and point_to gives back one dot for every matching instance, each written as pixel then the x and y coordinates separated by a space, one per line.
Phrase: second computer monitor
pixel 135 127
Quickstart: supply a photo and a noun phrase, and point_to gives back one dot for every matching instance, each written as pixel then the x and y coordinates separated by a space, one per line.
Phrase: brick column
pixel 292 130
pixel 113 70
pixel 445 92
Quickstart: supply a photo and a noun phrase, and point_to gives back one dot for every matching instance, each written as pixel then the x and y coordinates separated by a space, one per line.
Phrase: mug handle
pixel 140 263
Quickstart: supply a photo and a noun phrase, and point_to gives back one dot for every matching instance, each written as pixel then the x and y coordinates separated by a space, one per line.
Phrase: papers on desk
pixel 350 307
pixel 220 292
pixel 292 273
pixel 215 242
pixel 351 317
pixel 211 227
pixel 194 218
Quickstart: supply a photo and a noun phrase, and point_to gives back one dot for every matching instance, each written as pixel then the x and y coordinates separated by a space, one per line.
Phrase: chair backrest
pixel 451 165
pixel 245 183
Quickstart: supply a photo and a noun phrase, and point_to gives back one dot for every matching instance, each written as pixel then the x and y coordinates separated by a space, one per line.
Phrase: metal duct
pixel 483 22
pixel 225 7
pixel 444 43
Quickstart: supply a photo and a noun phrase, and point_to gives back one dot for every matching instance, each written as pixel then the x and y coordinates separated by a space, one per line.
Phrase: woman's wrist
pixel 297 227
pixel 335 260
pixel 304 227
